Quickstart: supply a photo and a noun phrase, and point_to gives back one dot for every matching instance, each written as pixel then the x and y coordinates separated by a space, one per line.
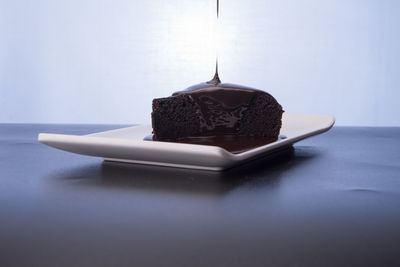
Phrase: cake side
pixel 182 116
pixel 174 117
pixel 263 118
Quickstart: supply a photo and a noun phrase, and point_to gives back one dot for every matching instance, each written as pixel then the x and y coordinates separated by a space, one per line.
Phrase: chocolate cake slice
pixel 212 110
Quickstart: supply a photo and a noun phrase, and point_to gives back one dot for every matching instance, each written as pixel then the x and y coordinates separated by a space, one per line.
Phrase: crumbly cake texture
pixel 180 116
pixel 175 117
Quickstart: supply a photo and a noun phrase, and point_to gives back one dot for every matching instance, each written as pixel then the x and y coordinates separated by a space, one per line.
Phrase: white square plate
pixel 127 145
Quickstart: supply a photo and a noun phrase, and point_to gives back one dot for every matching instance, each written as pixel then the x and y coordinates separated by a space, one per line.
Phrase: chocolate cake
pixel 215 109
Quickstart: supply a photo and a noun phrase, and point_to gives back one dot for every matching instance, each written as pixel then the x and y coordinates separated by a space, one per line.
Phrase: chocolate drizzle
pixel 221 105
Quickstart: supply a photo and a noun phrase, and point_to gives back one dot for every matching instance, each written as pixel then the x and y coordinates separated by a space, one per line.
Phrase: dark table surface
pixel 333 201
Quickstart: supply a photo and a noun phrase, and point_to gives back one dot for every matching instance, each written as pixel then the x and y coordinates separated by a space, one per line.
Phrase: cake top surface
pixel 216 84
pixel 228 94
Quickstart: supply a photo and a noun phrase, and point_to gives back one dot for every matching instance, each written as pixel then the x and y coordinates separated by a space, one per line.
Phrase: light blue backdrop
pixel 102 61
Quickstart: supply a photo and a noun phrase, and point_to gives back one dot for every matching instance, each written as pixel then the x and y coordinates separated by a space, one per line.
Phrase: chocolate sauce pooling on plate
pixel 233 144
